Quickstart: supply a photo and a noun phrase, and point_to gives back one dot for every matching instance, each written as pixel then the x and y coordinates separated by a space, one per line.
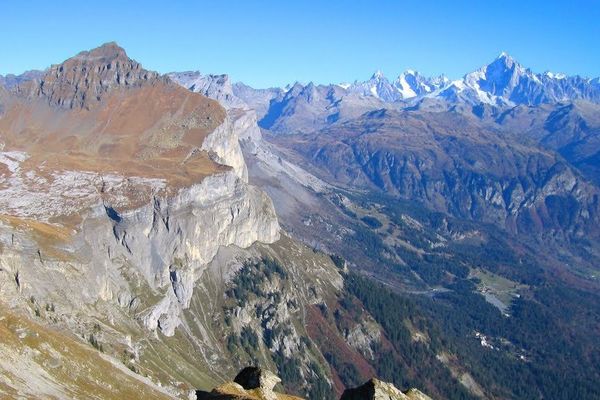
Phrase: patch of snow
pixel 404 88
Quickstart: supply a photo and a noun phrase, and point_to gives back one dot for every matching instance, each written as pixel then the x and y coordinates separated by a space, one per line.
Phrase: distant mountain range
pixel 502 82
pixel 490 90
pixel 502 145
pixel 408 85
pixel 9 81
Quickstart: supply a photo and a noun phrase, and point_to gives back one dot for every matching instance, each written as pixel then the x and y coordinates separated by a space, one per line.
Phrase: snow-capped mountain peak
pixel 412 84
pixel 377 86
pixel 409 84
pixel 505 81
pixel 505 56
pixel 553 75
pixel 499 77
pixel 378 75
pixel 502 82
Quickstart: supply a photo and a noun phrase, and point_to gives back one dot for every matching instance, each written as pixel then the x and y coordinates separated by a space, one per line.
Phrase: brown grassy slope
pixel 150 131
pixel 39 362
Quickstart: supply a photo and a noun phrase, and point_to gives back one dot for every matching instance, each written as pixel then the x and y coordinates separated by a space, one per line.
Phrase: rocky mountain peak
pixel 295 89
pixel 498 78
pixel 93 113
pixel 505 57
pixel 82 81
pixel 218 87
pixel 505 62
pixel 377 75
pixel 411 84
pixel 105 53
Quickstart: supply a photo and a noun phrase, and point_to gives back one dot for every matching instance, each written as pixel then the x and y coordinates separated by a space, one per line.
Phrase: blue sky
pixel 272 43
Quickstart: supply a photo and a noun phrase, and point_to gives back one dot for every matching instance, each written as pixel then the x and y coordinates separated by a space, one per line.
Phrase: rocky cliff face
pixel 167 238
pixel 171 241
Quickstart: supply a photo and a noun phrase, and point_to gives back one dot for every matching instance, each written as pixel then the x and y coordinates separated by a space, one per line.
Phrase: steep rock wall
pixel 166 242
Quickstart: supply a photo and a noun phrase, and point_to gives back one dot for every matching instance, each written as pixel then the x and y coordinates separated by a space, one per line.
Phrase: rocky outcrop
pixel 364 337
pixel 251 383
pixel 375 389
pixel 83 80
pixel 254 383
pixel 223 144
pixel 252 378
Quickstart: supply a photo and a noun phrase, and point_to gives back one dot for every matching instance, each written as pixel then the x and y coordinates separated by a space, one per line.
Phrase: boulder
pixel 252 383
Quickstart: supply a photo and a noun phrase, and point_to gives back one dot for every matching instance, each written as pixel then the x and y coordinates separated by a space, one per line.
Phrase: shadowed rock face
pixel 251 383
pixel 256 378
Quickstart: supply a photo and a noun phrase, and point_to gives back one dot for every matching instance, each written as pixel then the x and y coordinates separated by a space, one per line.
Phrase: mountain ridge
pixel 410 84
pixel 502 82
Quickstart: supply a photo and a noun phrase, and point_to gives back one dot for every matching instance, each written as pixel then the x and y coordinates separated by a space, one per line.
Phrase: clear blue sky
pixel 272 43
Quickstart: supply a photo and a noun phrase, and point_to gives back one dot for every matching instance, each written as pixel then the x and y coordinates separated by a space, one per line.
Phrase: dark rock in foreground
pixel 254 383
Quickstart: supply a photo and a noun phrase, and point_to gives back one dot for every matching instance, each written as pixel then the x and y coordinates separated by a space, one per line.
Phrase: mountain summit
pixel 499 77
pixel 83 80
pixel 106 52
pixel 505 82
